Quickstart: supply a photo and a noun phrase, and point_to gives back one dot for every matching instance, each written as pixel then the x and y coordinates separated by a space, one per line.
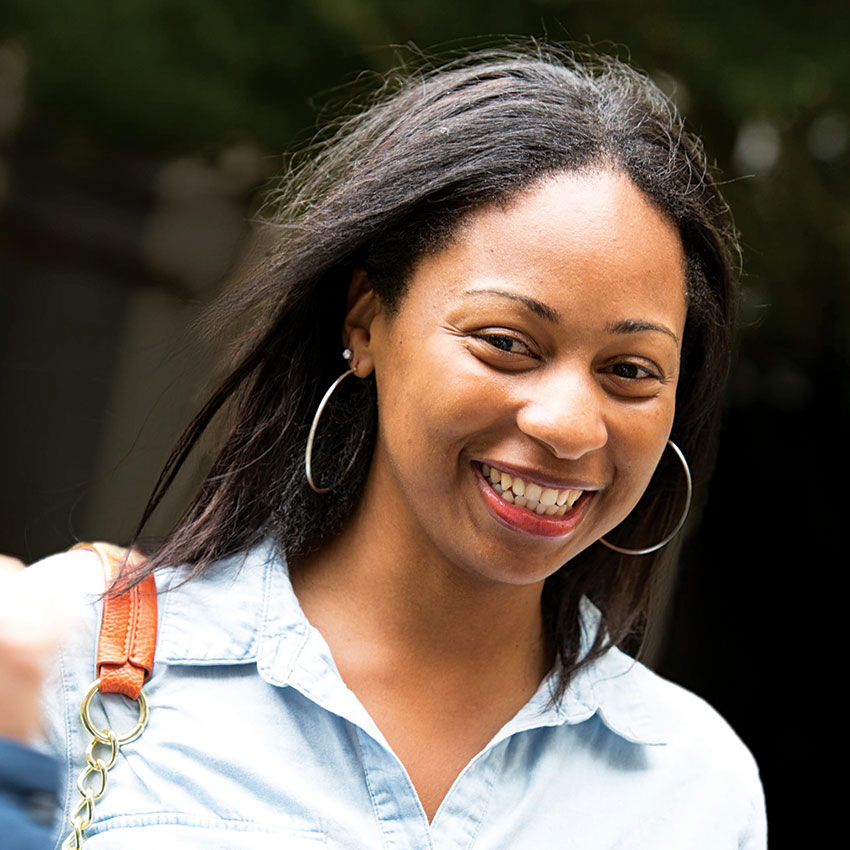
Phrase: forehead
pixel 572 241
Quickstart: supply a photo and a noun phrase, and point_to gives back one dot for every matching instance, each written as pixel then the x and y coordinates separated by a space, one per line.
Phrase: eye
pixel 503 349
pixel 506 343
pixel 633 379
pixel 631 371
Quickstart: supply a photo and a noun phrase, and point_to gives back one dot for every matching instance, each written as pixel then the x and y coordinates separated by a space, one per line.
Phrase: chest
pixel 230 761
pixel 437 731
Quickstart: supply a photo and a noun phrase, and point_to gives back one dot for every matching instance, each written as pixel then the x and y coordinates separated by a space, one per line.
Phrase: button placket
pixel 399 813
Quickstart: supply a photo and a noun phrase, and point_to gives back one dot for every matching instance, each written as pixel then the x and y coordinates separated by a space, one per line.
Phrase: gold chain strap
pixel 83 814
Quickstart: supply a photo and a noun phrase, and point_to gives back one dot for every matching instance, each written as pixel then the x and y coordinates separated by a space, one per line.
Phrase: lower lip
pixel 525 521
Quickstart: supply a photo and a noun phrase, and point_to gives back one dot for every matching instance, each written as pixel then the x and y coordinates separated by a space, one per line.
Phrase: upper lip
pixel 544 480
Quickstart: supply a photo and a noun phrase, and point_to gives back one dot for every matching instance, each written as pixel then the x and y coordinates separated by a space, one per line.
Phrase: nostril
pixel 567 432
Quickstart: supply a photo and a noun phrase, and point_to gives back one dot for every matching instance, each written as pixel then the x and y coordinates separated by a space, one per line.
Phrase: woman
pixel 399 618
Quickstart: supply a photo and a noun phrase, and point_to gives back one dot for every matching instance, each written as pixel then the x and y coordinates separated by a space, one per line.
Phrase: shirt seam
pixel 67 783
pixel 490 784
pixel 378 820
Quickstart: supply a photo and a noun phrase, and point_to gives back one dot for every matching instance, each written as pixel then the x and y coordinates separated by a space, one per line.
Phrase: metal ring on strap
pixel 103 735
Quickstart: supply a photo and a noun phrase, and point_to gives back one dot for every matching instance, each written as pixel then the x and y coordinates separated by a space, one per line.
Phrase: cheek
pixel 641 442
pixel 433 403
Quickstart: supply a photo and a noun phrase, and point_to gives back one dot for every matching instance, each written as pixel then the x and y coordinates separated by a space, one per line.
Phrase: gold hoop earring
pixel 679 524
pixel 308 452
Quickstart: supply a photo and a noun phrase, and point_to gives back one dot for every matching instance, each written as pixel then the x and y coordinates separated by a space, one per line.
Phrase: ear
pixel 363 306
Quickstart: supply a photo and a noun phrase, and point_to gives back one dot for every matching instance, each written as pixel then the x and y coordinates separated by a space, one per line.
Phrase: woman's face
pixel 540 350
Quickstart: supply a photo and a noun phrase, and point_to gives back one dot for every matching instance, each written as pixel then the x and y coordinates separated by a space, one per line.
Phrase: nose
pixel 565 413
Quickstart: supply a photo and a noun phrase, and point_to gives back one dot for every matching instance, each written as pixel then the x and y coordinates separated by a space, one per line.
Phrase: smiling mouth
pixel 536 510
pixel 534 498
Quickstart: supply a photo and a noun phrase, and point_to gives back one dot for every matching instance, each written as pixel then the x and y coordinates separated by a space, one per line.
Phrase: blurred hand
pixel 31 625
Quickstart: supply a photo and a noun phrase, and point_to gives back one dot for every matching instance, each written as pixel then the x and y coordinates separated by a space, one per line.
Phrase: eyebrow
pixel 634 326
pixel 624 326
pixel 536 307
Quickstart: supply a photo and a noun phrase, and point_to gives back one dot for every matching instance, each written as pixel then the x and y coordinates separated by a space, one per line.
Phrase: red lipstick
pixel 528 522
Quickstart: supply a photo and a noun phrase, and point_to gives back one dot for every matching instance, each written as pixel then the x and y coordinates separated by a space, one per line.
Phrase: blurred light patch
pixel 13 76
pixel 242 167
pixel 828 135
pixel 196 230
pixel 675 89
pixel 757 147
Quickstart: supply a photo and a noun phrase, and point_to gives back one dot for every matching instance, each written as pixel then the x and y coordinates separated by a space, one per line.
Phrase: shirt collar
pixel 223 616
pixel 243 610
pixel 615 686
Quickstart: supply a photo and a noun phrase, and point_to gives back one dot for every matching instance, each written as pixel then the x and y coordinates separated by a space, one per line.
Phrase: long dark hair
pixel 387 185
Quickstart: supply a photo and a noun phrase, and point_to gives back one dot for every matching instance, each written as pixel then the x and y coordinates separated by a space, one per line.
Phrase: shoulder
pixel 696 749
pixel 75 575
pixel 213 617
pixel 688 722
pixel 645 708
pixel 75 581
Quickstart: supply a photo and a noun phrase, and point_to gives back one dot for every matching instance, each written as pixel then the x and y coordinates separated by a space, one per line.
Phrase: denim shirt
pixel 254 741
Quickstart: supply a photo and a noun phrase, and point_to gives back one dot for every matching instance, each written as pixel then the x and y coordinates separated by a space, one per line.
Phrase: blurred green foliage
pixel 765 83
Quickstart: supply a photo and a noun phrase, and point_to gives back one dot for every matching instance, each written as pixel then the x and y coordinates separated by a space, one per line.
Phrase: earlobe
pixel 363 307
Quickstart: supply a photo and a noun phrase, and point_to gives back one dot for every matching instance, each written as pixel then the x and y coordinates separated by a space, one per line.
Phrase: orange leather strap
pixel 127 641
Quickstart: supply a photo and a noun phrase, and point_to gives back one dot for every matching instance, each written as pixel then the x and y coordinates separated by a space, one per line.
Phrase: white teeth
pixel 532 497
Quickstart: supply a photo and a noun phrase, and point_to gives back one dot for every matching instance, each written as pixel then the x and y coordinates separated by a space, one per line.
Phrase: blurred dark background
pixel 134 137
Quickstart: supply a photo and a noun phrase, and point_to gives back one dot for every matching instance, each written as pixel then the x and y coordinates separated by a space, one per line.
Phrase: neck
pixel 403 605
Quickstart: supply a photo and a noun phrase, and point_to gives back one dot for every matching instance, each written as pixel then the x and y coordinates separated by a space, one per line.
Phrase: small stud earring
pixel 347 355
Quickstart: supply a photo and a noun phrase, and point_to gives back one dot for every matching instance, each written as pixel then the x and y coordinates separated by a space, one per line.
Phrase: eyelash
pixel 647 372
pixel 510 340
pixel 644 372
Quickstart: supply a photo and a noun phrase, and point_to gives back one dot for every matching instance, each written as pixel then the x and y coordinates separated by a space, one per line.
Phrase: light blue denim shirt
pixel 255 741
